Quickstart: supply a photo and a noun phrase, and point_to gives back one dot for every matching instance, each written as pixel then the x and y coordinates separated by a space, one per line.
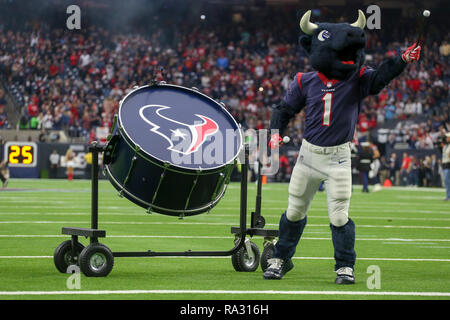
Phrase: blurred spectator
pixel 3 118
pixel 394 169
pixel 414 167
pixel 4 173
pixel 70 163
pixel 284 170
pixel 444 49
pixel 54 164
pixel 365 159
pixel 426 173
pixel 435 180
pixel 374 177
pixel 384 169
pixel 446 165
pixel 404 169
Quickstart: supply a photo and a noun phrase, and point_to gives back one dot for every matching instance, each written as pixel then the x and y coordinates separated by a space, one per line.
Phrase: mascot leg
pixel 344 251
pixel 344 245
pixel 339 187
pixel 305 182
pixel 302 188
pixel 290 233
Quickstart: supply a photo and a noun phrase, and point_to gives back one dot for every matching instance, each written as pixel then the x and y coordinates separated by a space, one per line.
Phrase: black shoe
pixel 345 276
pixel 277 268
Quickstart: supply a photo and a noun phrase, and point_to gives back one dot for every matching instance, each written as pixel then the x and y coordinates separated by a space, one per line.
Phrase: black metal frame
pixel 256 226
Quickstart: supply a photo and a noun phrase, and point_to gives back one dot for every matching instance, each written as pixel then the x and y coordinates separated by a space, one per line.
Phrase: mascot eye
pixel 323 35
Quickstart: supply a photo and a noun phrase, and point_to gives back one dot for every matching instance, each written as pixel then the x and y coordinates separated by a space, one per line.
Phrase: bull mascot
pixel 331 97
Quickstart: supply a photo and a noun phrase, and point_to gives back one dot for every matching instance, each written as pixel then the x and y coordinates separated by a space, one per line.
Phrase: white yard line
pixel 212 215
pixel 226 257
pixel 402 227
pixel 352 209
pixel 63 205
pixel 210 223
pixel 215 237
pixel 230 292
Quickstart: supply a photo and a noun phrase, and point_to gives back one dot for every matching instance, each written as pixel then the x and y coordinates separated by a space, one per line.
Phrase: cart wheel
pixel 243 262
pixel 267 254
pixel 96 260
pixel 63 255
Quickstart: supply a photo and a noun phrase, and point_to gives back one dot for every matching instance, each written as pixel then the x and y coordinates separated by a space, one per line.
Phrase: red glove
pixel 411 54
pixel 275 141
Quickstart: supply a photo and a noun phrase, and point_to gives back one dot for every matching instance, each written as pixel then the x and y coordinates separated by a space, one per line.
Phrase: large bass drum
pixel 172 150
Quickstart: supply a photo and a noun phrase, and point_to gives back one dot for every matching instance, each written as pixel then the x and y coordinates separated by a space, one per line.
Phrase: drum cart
pixel 97 260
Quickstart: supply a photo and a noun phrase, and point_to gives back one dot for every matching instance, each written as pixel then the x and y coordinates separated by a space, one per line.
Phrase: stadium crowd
pixel 74 80
pixel 4 124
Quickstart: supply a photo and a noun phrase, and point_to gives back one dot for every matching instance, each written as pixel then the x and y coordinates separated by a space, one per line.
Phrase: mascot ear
pixel 305 42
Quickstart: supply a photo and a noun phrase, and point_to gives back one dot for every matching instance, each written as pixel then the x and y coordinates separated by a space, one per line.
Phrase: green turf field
pixel 403 232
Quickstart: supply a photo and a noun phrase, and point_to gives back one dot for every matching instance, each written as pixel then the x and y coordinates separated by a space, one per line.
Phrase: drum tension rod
pixel 166 165
pixel 133 162
pixel 190 193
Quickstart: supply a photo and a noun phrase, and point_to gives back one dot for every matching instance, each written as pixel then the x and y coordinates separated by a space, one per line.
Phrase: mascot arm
pixel 381 77
pixel 281 116
pixel 292 103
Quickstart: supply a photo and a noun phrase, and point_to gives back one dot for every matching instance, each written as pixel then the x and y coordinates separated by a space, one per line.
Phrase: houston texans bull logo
pixel 182 137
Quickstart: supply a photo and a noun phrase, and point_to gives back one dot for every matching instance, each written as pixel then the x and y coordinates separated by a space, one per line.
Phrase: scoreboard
pixel 28 159
pixel 21 154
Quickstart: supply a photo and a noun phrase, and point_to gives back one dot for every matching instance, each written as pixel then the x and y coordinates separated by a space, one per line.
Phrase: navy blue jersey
pixel 331 106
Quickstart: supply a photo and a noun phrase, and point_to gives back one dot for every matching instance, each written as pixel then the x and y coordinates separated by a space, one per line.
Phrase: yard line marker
pixel 433 189
pixel 85 213
pixel 32 235
pixel 377 259
pixel 231 292
pixel 227 257
pixel 215 237
pixel 402 227
pixel 388 218
pixel 379 239
pixel 26 257
pixel 325 209
pixel 325 216
pixel 62 206
pixel 117 236
pixel 212 223
pixel 374 201
pixel 122 223
pixel 416 243
pixel 213 215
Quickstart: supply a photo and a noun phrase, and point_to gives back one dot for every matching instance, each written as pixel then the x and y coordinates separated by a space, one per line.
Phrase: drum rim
pixel 123 130
pixel 198 210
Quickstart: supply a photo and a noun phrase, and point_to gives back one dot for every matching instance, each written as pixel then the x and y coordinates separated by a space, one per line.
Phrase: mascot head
pixel 334 49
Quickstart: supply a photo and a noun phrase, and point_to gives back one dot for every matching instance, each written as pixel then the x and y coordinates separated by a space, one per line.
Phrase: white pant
pixel 314 165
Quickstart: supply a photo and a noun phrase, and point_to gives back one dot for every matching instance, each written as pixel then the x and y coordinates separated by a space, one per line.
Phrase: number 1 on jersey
pixel 327 102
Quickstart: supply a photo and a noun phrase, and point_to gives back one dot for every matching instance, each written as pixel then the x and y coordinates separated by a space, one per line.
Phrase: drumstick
pixel 421 28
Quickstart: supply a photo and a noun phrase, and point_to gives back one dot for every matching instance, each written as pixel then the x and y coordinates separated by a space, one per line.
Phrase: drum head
pixel 180 126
